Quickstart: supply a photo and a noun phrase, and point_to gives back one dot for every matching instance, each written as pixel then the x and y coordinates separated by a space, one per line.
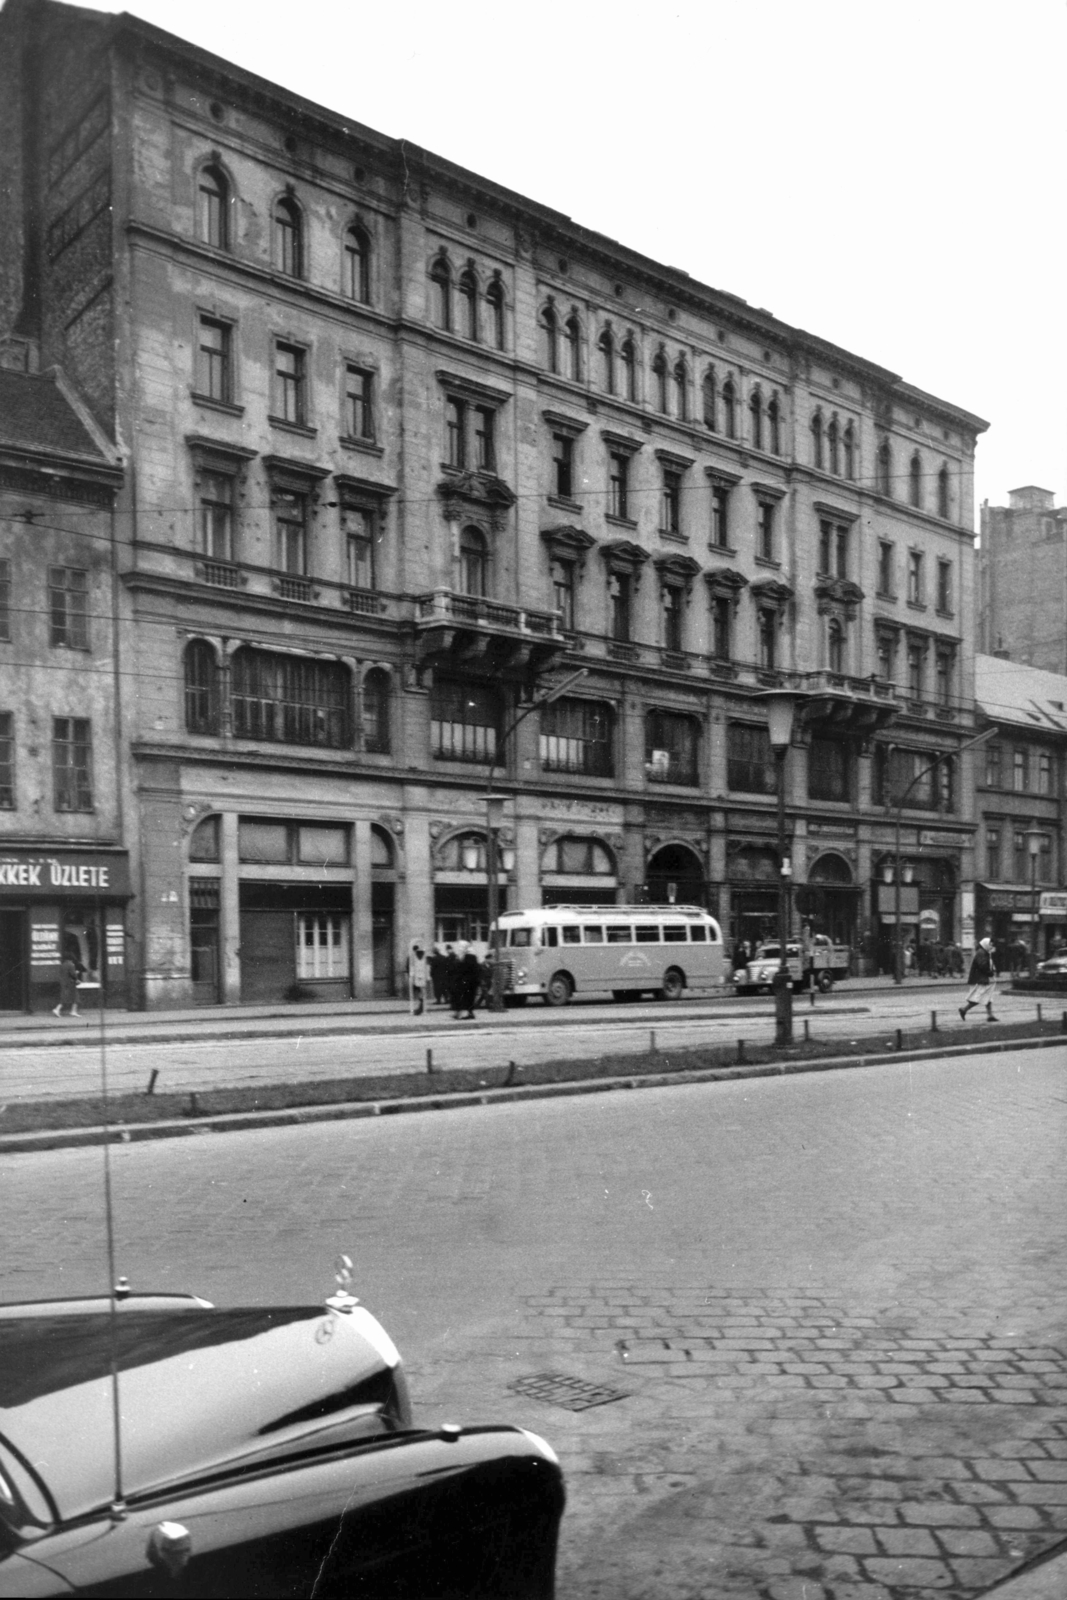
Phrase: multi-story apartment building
pixel 404 448
pixel 1022 579
pixel 1020 802
pixel 64 871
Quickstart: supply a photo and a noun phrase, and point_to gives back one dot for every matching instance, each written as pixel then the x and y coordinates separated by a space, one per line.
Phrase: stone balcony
pixel 843 703
pixel 473 630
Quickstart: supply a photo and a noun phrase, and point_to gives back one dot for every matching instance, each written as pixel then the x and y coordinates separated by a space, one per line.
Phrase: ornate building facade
pixel 405 449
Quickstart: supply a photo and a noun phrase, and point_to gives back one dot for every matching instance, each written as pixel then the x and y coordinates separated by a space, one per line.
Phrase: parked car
pixel 818 962
pixel 1054 967
pixel 263 1451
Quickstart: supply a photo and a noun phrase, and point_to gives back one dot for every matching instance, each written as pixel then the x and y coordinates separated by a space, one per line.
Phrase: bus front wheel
pixel 673 984
pixel 559 990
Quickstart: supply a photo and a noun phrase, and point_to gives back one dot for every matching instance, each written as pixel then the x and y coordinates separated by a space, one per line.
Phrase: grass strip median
pixel 132 1109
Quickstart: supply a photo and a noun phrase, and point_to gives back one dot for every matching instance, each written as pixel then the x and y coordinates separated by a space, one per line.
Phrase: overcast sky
pixel 888 177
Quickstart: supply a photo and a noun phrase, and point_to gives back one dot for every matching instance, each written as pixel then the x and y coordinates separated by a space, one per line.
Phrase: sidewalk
pixel 1043 1579
pixel 338 1016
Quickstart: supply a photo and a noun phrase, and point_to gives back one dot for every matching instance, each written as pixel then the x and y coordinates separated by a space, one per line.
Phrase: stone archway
pixel 675 876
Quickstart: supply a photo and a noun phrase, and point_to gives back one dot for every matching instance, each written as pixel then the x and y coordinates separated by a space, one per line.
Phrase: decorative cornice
pixel 471 388
pixel 291 467
pixel 772 591
pixel 346 481
pixel 568 543
pixel 727 581
pixel 621 441
pixel 477 488
pixel 563 424
pixel 622 554
pixel 675 570
pixel 203 444
pixel 670 458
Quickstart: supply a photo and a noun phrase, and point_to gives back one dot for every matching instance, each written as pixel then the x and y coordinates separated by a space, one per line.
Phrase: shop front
pixel 829 901
pixel 753 879
pixel 926 898
pixel 57 903
pixel 1014 918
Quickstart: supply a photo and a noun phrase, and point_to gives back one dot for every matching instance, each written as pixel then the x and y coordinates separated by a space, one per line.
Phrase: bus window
pixel 521 936
pixel 572 935
pixel 592 933
pixel 647 933
pixel 674 932
pixel 550 937
pixel 698 932
pixel 620 933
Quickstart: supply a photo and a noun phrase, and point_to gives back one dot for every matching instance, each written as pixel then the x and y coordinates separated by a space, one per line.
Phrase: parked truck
pixel 816 961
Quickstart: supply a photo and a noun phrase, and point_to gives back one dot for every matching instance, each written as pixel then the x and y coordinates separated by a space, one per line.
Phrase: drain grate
pixel 574 1394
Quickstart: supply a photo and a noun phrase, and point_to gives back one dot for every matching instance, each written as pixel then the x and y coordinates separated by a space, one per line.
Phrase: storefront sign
pixel 946 841
pixel 116 945
pixel 589 810
pixel 64 874
pixel 1008 900
pixel 887 900
pixel 836 830
pixel 1053 903
pixel 44 944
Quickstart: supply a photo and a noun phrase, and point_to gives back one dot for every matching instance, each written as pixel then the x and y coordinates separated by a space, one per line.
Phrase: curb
pixel 345 1111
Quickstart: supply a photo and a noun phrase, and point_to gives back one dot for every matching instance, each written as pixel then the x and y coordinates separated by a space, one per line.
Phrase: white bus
pixel 560 951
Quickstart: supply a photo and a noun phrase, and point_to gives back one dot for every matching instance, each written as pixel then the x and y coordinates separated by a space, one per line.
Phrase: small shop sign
pixel 56 876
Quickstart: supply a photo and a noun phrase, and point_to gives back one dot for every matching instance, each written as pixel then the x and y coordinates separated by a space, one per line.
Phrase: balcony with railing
pixel 249 583
pixel 473 628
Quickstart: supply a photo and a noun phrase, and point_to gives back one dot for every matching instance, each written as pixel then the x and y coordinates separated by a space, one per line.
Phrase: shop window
pixel 68 600
pixel 322 945
pixel 578 858
pixel 7 760
pixel 204 843
pixel 465 720
pixel 749 761
pixel 829 770
pixel 377 693
pixel 322 844
pixel 72 763
pixel 576 736
pixel 290 700
pixel 201 688
pixel 672 747
pixel 265 843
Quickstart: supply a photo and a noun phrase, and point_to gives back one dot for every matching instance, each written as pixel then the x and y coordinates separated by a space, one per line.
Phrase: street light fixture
pixel 1035 839
pixel 781 709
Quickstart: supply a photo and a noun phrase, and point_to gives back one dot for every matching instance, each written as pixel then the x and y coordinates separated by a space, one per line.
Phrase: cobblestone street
pixel 822 1320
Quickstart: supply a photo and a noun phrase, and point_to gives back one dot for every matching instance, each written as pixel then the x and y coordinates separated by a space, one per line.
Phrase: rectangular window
pixel 1020 859
pixel 1045 784
pixel 720 518
pixel 916 670
pixel 672 743
pixel 576 736
pixel 766 530
pixel 887 654
pixel 944 586
pixel 915 578
pixel 749 760
pixel 5 600
pixel 68 598
pixel 946 669
pixel 619 595
pixel 619 487
pixel 290 383
pixel 359 529
pixel 290 532
pixel 216 515
pixel 359 404
pixel 291 700
pixel 1020 769
pixel 563 592
pixel 767 630
pixel 885 568
pixel 563 466
pixel 895 771
pixel 671 502
pixel 992 854
pixel 829 770
pixel 464 721
pixel 72 764
pixel 1044 861
pixel 322 944
pixel 841 550
pixel 721 620
pixel 484 446
pixel 265 843
pixel 213 366
pixel 826 540
pixel 7 760
pixel 992 766
pixel 673 618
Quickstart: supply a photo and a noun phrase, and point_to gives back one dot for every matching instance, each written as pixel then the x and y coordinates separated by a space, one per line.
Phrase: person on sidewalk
pixel 467 980
pixel 983 981
pixel 418 976
pixel 68 988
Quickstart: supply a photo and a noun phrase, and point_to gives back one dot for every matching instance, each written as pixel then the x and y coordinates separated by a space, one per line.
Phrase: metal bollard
pixel 1063 1024
pixel 900 1038
pixel 807 1031
pixel 510 1075
pixel 652 1040
pixel 429 1060
pixel 194 1104
pixel 740 1051
pixel 933 1022
pixel 1039 1011
pixel 152 1081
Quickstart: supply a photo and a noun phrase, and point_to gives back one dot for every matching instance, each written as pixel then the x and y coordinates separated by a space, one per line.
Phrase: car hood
pixel 197 1390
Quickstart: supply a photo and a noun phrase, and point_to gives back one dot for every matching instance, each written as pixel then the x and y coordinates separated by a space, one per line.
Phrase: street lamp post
pixel 1035 838
pixel 781 706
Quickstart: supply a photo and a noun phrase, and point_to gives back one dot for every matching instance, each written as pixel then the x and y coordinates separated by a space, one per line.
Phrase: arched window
pixel 774 425
pixel 606 346
pixel 468 304
pixel 816 441
pixel 357 265
pixel 659 376
pixel 288 238
pixel 833 445
pixel 204 841
pixel 707 391
pixel 915 480
pixel 848 444
pixel 628 357
pixel 213 208
pixel 573 334
pixel 755 406
pixel 885 468
pixel 729 409
pixel 835 646
pixel 550 333
pixel 494 299
pixel 376 697
pixel 681 390
pixel 381 849
pixel 473 562
pixel 441 278
pixel 201 688
pixel 942 493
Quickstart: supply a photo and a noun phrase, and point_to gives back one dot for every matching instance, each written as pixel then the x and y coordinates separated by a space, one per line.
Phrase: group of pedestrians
pixel 454 978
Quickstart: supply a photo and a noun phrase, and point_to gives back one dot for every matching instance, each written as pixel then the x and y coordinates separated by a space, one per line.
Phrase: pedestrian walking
pixel 983 981
pixel 437 974
pixel 418 976
pixel 68 988
pixel 468 976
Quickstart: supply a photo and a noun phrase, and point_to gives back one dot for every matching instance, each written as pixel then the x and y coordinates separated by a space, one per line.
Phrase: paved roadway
pixel 392 1042
pixel 834 1307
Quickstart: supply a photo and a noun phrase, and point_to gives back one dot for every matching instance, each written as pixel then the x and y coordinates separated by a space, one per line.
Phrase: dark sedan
pixel 159 1446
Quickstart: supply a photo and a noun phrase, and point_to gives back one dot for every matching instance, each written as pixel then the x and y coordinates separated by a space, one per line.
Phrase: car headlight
pixel 520 976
